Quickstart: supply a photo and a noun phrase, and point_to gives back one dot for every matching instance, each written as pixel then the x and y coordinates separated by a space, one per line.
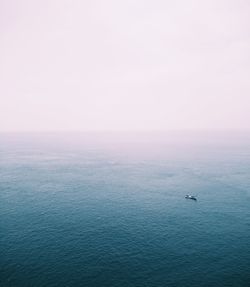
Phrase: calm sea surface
pixel 109 210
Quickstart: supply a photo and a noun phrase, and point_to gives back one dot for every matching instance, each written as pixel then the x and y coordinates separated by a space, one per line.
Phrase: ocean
pixel 109 209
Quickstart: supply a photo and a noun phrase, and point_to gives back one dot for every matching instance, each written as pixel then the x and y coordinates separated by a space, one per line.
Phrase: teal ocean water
pixel 109 210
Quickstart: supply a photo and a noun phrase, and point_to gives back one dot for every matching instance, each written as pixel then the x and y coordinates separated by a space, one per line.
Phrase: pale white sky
pixel 124 65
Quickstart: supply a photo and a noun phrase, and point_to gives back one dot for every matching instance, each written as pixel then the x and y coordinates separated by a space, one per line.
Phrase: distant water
pixel 109 210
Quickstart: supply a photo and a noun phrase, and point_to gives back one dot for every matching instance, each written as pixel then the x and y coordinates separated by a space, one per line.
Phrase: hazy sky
pixel 124 64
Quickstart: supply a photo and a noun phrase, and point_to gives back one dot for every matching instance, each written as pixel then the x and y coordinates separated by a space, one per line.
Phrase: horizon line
pixel 125 131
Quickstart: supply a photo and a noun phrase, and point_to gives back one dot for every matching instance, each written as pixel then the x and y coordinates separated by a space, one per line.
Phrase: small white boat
pixel 190 197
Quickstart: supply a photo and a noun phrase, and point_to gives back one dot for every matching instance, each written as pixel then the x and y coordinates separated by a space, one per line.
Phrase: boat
pixel 190 197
